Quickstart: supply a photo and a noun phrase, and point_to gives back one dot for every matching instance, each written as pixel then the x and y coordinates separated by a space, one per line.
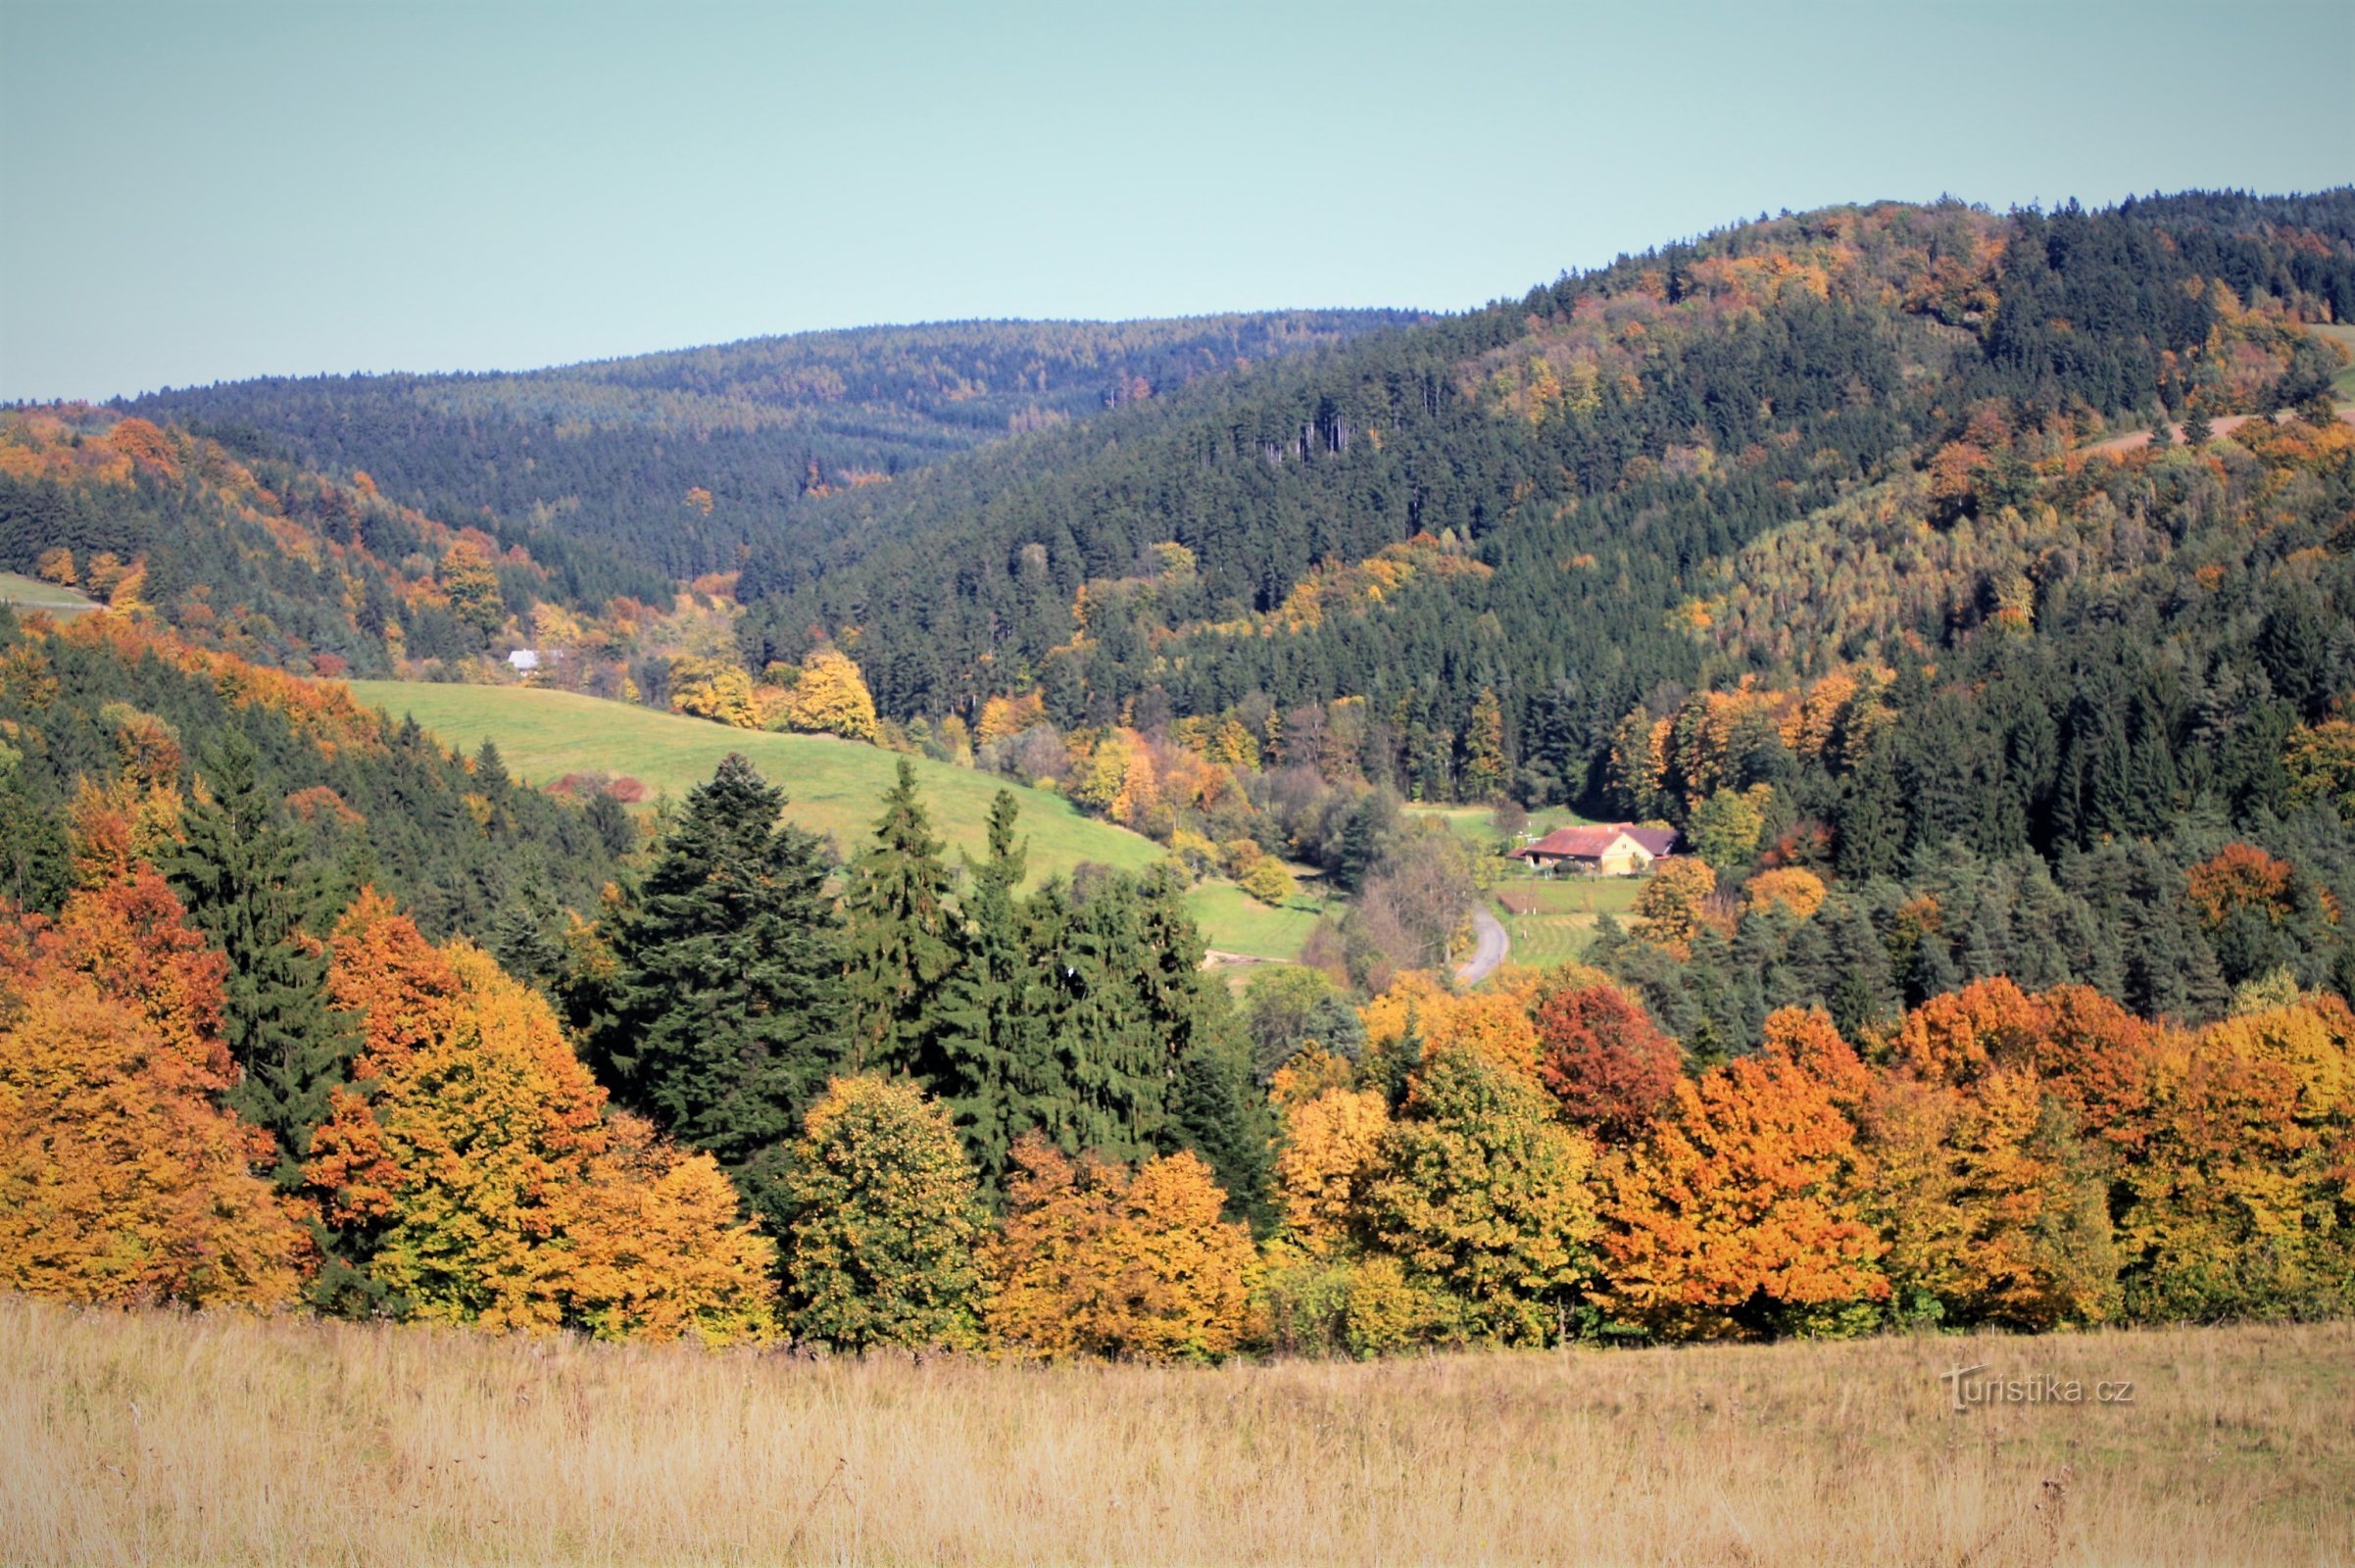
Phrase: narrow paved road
pixel 1488 950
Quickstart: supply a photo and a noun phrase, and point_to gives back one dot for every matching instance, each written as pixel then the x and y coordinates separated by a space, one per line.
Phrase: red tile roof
pixel 1590 842
pixel 1575 843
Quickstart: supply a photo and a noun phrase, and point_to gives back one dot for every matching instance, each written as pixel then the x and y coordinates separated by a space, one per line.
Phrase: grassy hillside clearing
pixel 31 593
pixel 833 784
pixel 1233 921
pixel 2342 383
pixel 186 1438
pixel 1471 823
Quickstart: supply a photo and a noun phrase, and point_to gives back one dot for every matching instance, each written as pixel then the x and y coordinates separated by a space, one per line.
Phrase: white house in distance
pixel 1605 849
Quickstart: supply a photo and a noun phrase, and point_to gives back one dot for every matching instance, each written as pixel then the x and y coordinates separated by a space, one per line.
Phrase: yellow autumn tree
pixel 2237 1197
pixel 830 698
pixel 1668 911
pixel 1481 1193
pixel 1416 1017
pixel 469 577
pixel 1094 1259
pixel 1103 764
pixel 1004 717
pixel 1233 744
pixel 714 689
pixel 1992 1210
pixel 882 1211
pixel 1309 1075
pixel 1791 887
pixel 2320 763
pixel 1266 880
pixel 1331 1146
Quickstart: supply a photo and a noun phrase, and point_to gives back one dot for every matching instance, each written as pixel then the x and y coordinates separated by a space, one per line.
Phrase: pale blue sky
pixel 203 191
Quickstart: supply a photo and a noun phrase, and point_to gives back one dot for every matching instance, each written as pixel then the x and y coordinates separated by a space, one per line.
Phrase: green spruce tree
pixel 1220 1115
pixel 1099 1076
pixel 983 1021
pixel 721 1020
pixel 903 943
pixel 241 875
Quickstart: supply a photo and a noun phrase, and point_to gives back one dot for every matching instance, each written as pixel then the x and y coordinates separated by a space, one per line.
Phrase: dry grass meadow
pixel 129 1437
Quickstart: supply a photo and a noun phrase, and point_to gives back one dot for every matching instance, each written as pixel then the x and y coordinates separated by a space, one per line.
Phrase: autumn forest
pixel 1966 596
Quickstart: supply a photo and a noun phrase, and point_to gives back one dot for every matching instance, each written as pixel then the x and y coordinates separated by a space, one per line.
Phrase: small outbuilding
pixel 1658 842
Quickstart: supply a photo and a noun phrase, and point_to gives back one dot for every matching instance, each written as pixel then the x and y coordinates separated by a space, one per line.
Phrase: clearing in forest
pixel 834 786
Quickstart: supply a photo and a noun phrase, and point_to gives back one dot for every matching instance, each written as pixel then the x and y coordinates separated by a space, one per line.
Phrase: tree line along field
pixel 218 1437
pixel 832 785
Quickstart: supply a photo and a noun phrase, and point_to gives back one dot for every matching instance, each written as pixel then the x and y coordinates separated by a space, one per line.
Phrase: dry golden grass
pixel 193 1440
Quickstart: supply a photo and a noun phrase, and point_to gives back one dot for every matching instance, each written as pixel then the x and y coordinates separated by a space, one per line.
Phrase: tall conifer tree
pixel 983 1021
pixel 904 941
pixel 722 1018
pixel 241 875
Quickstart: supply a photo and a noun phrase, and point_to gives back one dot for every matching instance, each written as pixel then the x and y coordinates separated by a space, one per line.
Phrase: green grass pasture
pixel 833 786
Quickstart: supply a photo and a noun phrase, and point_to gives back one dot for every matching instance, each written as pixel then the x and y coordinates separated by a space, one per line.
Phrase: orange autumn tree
pixel 1094 1259
pixel 1962 1036
pixel 121 1179
pixel 1737 1217
pixel 2083 1048
pixel 2241 876
pixel 474 1168
pixel 657 1250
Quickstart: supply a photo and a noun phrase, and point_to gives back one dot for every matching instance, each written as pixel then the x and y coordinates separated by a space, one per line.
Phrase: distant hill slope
pixel 1583 454
pixel 672 462
pixel 833 785
pixel 263 560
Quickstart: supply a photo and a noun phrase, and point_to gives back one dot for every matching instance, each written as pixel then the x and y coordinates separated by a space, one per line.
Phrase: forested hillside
pixel 269 560
pixel 672 463
pixel 1973 594
pixel 1593 447
pixel 115 733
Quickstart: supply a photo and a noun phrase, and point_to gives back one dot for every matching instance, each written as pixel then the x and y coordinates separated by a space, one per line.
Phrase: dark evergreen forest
pixel 604 457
